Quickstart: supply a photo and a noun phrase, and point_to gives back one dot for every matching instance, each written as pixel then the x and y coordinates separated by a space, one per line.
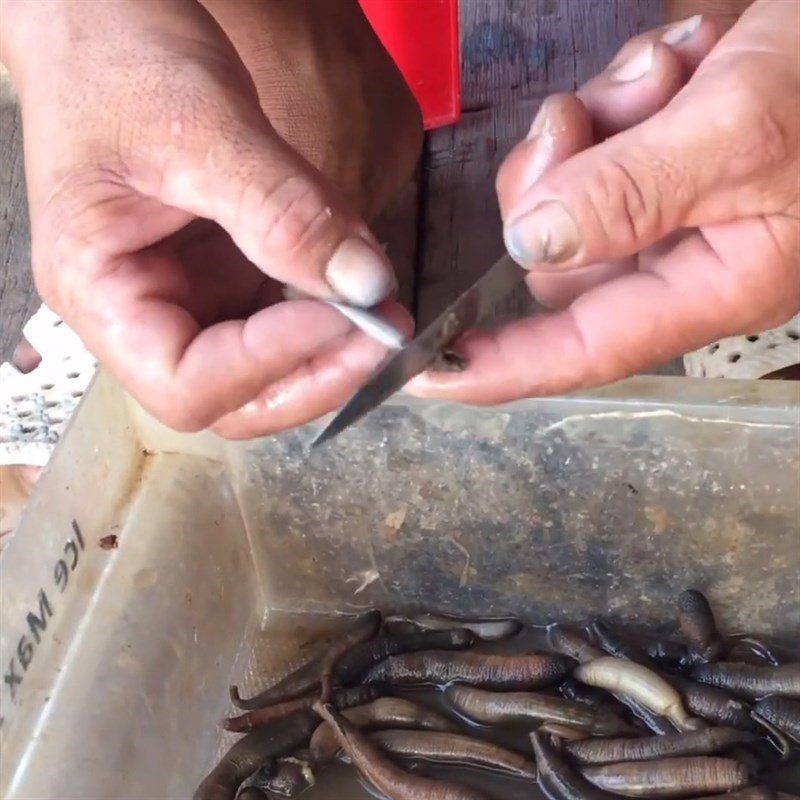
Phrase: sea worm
pixel 456 749
pixel 493 708
pixel 477 669
pixel 342 698
pixel 713 704
pixel 352 667
pixel 388 712
pixel 751 680
pixel 698 625
pixel 572 643
pixel 557 778
pixel 382 772
pixel 303 680
pixel 255 749
pixel 670 777
pixel 640 683
pixel 288 777
pixel 782 713
pixel 708 741
pixel 365 629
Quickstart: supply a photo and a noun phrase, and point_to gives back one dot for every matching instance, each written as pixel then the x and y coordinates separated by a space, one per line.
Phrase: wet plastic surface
pixel 553 509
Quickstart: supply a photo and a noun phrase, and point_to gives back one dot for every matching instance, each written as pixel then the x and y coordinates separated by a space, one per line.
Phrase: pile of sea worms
pixel 700 715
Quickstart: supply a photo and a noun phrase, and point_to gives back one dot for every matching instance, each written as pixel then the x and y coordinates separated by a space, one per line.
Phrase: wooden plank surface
pixel 513 54
pixel 18 299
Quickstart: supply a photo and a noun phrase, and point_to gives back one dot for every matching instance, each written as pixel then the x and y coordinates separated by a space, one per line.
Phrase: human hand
pixel 168 205
pixel 658 208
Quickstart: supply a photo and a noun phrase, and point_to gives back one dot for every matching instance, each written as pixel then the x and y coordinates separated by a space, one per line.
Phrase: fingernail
pixel 359 274
pixel 637 66
pixel 548 234
pixel 539 122
pixel 682 31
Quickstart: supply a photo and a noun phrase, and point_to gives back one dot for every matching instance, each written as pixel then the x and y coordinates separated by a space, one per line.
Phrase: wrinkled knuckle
pixel 288 217
pixel 625 204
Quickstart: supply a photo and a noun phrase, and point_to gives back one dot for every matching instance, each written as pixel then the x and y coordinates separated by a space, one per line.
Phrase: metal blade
pixel 469 309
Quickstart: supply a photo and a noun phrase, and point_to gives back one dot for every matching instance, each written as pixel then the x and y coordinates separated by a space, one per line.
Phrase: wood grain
pixel 18 298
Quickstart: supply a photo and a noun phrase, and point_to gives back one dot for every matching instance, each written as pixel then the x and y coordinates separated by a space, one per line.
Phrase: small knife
pixel 474 305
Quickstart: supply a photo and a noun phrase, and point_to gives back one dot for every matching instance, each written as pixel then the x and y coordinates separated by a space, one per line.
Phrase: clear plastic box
pixel 117 661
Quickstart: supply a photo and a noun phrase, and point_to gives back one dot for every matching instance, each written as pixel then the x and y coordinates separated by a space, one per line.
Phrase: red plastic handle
pixel 422 37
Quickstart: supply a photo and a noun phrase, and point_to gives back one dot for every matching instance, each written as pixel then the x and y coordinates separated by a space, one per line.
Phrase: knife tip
pixel 328 433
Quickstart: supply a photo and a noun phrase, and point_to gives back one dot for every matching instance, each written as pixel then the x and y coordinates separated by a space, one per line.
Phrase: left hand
pixel 659 213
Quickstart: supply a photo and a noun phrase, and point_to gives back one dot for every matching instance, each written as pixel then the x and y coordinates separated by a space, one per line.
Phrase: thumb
pixel 278 209
pixel 706 158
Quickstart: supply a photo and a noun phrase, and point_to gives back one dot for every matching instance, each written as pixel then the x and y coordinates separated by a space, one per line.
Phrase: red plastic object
pixel 422 37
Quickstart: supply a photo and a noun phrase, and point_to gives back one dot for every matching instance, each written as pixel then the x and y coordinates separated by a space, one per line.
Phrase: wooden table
pixel 445 230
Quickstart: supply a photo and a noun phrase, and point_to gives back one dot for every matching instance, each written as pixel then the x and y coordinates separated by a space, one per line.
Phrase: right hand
pixel 167 211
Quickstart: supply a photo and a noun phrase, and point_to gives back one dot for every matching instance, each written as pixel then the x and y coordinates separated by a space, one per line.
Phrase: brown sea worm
pixel 747 755
pixel 565 732
pixel 382 772
pixel 288 777
pixel 669 777
pixel 281 738
pixel 455 749
pixel 497 708
pixel 775 736
pixel 366 627
pixel 388 712
pixel 614 645
pixel 355 664
pixel 303 680
pixel 490 629
pixel 708 741
pixel 713 704
pixel 572 643
pixel 743 648
pixel 640 683
pixel 498 672
pixel 697 623
pixel 558 780
pixel 342 698
pixel 296 684
pixel 751 680
pixel 784 714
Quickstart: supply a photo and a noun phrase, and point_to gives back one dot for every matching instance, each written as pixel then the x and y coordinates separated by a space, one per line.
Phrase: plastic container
pixel 422 37
pixel 119 659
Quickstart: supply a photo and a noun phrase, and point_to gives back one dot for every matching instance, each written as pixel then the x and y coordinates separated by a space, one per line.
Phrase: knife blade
pixel 475 304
